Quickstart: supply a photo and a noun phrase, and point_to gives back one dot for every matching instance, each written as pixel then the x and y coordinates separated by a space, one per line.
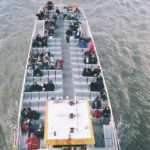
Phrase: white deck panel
pixel 60 122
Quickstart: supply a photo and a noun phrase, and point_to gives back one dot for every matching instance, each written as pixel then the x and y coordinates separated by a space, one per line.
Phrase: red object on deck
pixel 96 114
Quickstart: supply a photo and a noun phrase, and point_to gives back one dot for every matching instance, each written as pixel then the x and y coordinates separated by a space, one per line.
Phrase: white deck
pixel 60 122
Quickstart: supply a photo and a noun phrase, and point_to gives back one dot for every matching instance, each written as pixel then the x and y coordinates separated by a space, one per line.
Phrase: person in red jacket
pixel 32 142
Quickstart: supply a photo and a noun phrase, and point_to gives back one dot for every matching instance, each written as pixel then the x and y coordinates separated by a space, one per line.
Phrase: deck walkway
pixel 67 71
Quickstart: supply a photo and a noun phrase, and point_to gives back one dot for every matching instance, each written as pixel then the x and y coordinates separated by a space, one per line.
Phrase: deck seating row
pixel 50 73
pixel 56 79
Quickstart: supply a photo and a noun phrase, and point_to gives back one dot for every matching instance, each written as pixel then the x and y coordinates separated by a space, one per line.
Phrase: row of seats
pixel 49 73
pixel 82 65
pixel 48 49
pixel 56 54
pixel 57 79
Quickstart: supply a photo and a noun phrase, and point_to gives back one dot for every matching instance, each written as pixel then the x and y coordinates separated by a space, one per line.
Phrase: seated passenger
pixel 49 86
pixel 87 56
pixel 46 61
pixel 37 72
pixel 65 11
pixel 40 15
pixel 35 115
pixel 87 71
pixel 61 61
pixel 90 46
pixel 104 96
pixel 96 71
pixel 39 63
pixel 96 104
pixel 96 113
pixel 47 24
pixel 57 11
pixel 39 38
pixel 72 27
pixel 100 83
pixel 25 125
pixel 106 112
pixel 52 66
pixel 78 33
pixel 77 24
pixel 44 41
pixel 51 58
pixel 52 22
pixel 40 131
pixel 32 142
pixel 51 31
pixel 35 87
pixel 26 113
pixel 38 41
pixel 57 65
pixel 54 16
pixel 94 86
pixel 29 71
pixel 82 43
pixel 50 5
pixel 92 58
pixel 77 10
pixel 27 87
pixel 68 34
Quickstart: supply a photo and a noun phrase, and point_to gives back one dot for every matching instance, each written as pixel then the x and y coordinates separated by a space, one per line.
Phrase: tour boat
pixel 64 102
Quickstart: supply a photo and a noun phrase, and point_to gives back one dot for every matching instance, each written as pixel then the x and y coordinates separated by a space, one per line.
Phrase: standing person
pixel 32 142
pixel 68 34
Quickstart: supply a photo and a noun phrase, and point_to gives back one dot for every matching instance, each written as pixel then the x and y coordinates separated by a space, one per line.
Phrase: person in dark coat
pixel 92 58
pixel 38 41
pixel 104 96
pixel 49 86
pixel 40 131
pixel 37 72
pixel 35 87
pixel 68 34
pixel 87 72
pixel 94 86
pixel 100 83
pixel 51 31
pixel 26 113
pixel 78 33
pixel 44 41
pixel 106 112
pixel 96 103
pixel 50 5
pixel 97 71
pixel 40 15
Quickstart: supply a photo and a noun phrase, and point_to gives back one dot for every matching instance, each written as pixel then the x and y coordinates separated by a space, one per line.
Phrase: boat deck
pixel 69 84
